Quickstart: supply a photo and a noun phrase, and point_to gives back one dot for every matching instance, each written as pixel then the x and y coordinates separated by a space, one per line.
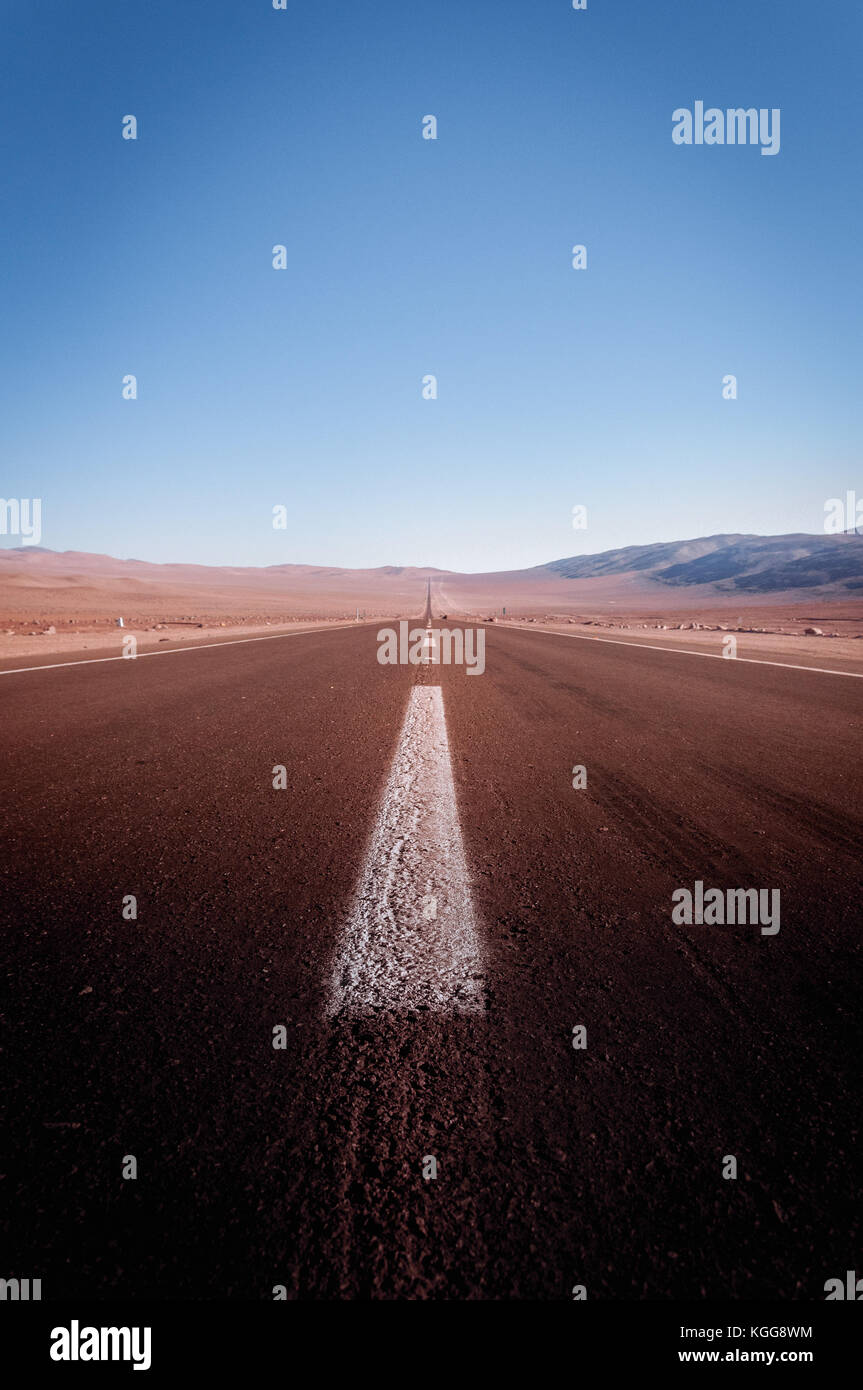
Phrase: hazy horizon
pixel 411 564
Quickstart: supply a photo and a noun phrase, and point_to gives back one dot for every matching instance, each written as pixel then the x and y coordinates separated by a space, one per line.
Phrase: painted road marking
pixel 687 651
pixel 338 627
pixel 411 942
pixel 172 651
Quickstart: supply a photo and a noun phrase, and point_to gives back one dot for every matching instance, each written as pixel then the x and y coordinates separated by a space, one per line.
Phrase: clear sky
pixel 409 257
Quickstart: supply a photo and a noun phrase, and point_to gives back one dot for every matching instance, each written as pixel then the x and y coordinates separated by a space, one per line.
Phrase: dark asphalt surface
pixel 303 1167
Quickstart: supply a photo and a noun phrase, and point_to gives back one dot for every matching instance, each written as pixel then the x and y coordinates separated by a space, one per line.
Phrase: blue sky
pixel 405 257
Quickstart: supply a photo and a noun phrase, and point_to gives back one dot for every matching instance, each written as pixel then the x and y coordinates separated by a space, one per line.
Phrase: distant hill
pixel 37 584
pixel 732 563
pixel 706 570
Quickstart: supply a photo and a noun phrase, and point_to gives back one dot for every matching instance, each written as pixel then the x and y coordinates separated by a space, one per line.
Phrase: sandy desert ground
pixel 66 603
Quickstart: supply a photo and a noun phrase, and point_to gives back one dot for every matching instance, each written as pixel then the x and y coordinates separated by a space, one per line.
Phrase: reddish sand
pixel 81 596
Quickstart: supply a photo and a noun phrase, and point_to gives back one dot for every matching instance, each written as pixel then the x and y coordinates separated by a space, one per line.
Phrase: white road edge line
pixel 411 941
pixel 172 651
pixel 686 651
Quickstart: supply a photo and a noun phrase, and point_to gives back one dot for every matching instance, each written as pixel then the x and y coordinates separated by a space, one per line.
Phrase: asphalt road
pixel 303 1166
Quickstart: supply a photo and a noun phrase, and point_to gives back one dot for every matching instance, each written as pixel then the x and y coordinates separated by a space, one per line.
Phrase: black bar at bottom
pixel 406 1344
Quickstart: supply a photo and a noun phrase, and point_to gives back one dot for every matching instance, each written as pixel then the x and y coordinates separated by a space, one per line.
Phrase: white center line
pixel 411 942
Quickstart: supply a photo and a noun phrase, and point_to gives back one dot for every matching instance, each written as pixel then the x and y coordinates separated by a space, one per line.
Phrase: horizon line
pixel 436 569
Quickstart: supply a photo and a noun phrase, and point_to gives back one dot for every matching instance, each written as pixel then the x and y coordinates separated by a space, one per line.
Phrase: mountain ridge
pixel 728 563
